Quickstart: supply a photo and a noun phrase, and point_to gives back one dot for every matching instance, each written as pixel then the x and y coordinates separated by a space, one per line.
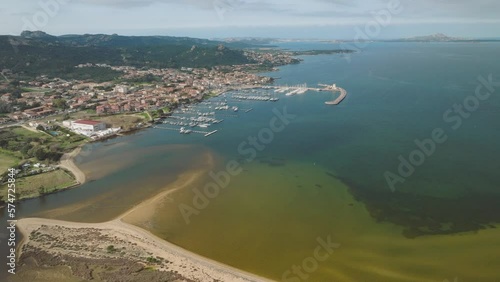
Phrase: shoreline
pixel 179 260
pixel 67 163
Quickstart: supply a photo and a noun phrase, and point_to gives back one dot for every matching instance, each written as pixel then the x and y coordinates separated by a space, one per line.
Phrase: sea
pixel 399 182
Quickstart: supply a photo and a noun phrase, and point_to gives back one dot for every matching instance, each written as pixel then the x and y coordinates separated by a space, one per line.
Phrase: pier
pixel 205 133
pixel 301 89
pixel 343 94
pixel 210 133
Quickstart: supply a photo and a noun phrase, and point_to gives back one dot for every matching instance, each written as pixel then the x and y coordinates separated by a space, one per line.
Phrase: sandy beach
pixel 68 164
pixel 55 243
pixel 61 238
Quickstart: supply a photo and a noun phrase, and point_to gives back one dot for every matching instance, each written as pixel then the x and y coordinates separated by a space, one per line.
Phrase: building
pixel 121 89
pixel 87 127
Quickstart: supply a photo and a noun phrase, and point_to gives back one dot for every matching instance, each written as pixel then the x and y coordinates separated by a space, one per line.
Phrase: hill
pixel 35 53
pixel 438 37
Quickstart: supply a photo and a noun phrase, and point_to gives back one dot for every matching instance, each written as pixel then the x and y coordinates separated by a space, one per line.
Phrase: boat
pixel 205 125
pixel 235 109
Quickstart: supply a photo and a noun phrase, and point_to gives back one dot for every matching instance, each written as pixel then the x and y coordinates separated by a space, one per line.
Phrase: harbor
pixel 197 118
pixel 343 95
pixel 209 114
pixel 303 88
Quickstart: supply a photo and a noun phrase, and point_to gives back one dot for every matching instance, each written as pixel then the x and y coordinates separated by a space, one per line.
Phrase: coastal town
pixel 46 118
pixel 50 96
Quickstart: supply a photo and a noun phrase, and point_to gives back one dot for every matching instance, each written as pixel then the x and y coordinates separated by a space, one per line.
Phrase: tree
pixel 60 104
pixel 40 154
pixel 5 108
pixel 16 93
pixel 42 190
pixel 25 149
pixel 14 83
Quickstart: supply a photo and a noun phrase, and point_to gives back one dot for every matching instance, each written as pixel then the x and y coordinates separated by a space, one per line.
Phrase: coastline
pixel 124 232
pixel 67 163
pixel 139 243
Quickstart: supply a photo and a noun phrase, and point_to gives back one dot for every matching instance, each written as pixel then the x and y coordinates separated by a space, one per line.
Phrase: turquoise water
pixel 397 92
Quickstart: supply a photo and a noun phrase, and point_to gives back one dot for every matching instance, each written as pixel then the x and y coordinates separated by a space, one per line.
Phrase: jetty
pixel 205 133
pixel 301 89
pixel 340 98
pixel 210 133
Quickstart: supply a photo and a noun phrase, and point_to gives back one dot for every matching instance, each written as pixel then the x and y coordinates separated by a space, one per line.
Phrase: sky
pixel 319 19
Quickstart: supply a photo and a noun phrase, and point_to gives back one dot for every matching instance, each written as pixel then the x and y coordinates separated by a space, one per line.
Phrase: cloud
pixel 112 15
pixel 423 9
pixel 142 3
pixel 203 4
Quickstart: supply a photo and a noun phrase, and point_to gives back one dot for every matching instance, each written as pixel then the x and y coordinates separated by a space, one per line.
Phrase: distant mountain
pixel 35 34
pixel 438 37
pixel 265 41
pixel 115 40
pixel 35 53
pixel 254 41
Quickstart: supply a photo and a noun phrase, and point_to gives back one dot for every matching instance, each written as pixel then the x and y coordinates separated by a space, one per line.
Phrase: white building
pixel 87 127
pixel 122 89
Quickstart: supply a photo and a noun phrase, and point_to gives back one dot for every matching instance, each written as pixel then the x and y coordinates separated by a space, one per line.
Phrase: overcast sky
pixel 332 19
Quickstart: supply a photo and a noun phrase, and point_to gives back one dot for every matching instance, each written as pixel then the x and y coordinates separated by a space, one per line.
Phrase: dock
pixel 205 133
pixel 210 133
pixel 301 89
pixel 343 94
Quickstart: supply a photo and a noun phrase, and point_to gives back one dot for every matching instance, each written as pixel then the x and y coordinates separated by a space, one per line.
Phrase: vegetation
pixel 40 184
pixel 124 121
pixel 31 56
pixel 94 74
pixel 60 104
pixel 153 260
pixel 111 249
pixel 26 144
pixel 147 79
pixel 8 160
pixel 13 88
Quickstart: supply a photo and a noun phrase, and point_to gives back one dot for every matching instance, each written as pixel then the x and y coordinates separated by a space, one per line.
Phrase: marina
pixel 182 130
pixel 233 103
pixel 303 88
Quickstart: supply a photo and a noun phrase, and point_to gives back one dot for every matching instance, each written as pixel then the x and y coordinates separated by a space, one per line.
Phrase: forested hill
pixel 35 53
